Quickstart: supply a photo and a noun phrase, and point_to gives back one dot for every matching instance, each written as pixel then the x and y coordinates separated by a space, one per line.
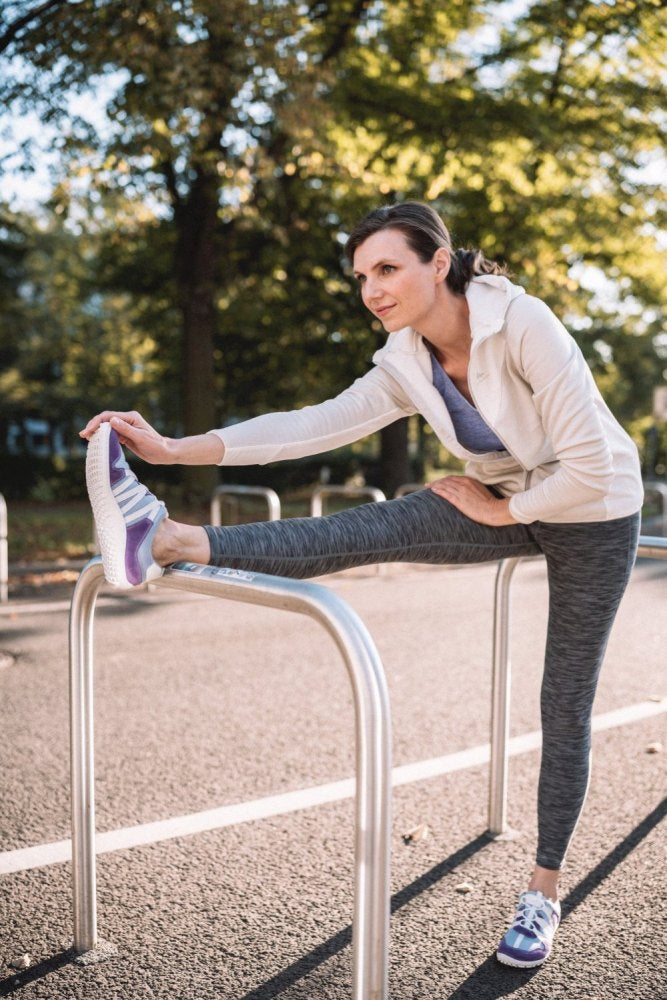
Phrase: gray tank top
pixel 471 430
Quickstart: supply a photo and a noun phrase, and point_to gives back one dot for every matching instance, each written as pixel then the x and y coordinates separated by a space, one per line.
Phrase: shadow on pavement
pixel 278 984
pixel 612 860
pixel 489 982
pixel 19 979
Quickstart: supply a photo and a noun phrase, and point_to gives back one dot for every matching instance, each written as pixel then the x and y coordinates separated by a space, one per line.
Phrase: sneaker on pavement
pixel 528 941
pixel 126 513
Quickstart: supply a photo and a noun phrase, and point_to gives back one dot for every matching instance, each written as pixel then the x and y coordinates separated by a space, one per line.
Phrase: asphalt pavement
pixel 203 703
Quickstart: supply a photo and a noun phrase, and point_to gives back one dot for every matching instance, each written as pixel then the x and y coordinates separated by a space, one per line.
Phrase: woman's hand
pixel 473 499
pixel 135 433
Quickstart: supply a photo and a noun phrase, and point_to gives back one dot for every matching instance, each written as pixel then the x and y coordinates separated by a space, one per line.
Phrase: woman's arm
pixel 138 435
pixel 372 402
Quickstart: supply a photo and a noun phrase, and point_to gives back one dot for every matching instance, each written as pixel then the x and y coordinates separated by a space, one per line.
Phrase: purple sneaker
pixel 528 941
pixel 126 514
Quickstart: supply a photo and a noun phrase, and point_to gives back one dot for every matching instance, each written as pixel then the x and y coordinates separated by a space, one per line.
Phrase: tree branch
pixel 344 28
pixel 13 30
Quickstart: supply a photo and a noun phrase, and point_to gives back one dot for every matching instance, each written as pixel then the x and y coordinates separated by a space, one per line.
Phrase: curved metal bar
pixel 84 891
pixel 661 490
pixel 271 497
pixel 318 494
pixel 373 748
pixel 406 488
pixel 4 553
pixel 652 547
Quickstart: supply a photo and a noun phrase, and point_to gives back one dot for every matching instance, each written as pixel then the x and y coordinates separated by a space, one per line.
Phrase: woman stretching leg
pixel 548 471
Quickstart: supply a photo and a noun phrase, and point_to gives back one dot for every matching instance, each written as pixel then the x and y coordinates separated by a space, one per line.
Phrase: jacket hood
pixel 489 297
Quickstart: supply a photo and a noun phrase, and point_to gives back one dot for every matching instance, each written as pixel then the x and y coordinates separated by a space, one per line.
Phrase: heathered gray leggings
pixel 588 566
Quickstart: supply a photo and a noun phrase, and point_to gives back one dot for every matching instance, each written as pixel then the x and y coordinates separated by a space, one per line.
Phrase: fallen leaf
pixel 419 833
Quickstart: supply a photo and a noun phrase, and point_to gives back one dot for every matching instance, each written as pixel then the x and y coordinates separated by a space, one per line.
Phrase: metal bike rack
pixel 4 553
pixel 373 747
pixel 649 547
pixel 406 488
pixel 661 490
pixel 320 492
pixel 271 497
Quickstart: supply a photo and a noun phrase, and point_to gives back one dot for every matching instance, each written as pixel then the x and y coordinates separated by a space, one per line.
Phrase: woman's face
pixel 398 287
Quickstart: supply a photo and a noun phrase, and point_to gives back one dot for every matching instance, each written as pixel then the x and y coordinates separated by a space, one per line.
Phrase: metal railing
pixel 649 547
pixel 660 489
pixel 320 492
pixel 373 747
pixel 271 497
pixel 406 488
pixel 4 553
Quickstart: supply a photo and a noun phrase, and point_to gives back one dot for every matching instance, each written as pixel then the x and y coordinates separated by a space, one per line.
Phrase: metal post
pixel 4 553
pixel 82 755
pixel 320 492
pixel 650 547
pixel 271 497
pixel 373 748
pixel 500 698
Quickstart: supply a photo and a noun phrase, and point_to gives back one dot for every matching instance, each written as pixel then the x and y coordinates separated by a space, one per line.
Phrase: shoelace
pixel 533 918
pixel 130 492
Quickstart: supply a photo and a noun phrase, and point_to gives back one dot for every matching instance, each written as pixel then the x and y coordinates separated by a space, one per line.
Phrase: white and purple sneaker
pixel 126 513
pixel 529 940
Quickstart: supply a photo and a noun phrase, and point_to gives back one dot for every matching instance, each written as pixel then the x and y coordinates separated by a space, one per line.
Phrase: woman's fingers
pixel 130 417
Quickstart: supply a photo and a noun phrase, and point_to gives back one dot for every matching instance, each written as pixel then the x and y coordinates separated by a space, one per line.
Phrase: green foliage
pixel 189 263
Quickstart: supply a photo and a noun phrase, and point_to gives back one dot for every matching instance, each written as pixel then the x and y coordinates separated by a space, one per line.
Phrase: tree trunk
pixel 197 273
pixel 394 460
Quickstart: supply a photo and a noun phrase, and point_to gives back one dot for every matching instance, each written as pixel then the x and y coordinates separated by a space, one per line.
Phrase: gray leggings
pixel 588 566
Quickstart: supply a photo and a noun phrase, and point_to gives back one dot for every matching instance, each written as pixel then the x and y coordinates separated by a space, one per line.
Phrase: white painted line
pixel 304 798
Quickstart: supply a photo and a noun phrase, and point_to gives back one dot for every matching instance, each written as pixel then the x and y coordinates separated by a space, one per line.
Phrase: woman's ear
pixel 442 261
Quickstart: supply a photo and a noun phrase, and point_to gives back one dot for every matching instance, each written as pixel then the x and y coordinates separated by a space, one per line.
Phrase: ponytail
pixel 468 263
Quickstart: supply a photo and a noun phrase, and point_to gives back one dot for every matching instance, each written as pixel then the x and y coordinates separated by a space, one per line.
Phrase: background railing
pixel 270 496
pixel 319 494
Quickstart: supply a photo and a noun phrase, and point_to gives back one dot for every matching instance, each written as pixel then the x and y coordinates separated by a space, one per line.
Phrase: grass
pixel 53 532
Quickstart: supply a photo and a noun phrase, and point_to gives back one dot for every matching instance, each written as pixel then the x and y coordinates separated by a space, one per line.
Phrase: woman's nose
pixel 370 290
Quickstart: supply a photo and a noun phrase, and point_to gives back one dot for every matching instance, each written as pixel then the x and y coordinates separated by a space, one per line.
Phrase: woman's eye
pixel 388 268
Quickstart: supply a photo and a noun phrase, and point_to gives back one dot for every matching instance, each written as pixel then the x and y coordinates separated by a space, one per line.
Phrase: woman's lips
pixel 383 310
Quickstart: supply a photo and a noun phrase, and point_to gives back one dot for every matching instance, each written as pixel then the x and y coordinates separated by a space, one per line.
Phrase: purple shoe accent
pixel 117 461
pixel 135 537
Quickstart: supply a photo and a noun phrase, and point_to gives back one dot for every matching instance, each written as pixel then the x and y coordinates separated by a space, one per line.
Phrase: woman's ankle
pixel 545 880
pixel 174 542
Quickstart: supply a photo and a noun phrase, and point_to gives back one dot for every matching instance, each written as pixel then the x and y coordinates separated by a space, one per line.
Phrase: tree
pixel 243 139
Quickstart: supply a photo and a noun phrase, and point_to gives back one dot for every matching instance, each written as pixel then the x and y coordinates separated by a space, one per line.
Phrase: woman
pixel 549 470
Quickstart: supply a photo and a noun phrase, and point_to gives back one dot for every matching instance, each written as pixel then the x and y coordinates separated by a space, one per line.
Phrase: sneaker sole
pixel 108 518
pixel 516 963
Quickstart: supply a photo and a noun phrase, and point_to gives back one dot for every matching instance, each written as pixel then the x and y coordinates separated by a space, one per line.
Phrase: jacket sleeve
pixel 372 402
pixel 569 408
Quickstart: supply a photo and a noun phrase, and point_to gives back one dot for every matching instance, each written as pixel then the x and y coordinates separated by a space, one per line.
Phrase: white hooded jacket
pixel 567 459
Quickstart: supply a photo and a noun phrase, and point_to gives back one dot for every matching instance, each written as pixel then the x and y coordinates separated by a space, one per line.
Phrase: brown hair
pixel 425 233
